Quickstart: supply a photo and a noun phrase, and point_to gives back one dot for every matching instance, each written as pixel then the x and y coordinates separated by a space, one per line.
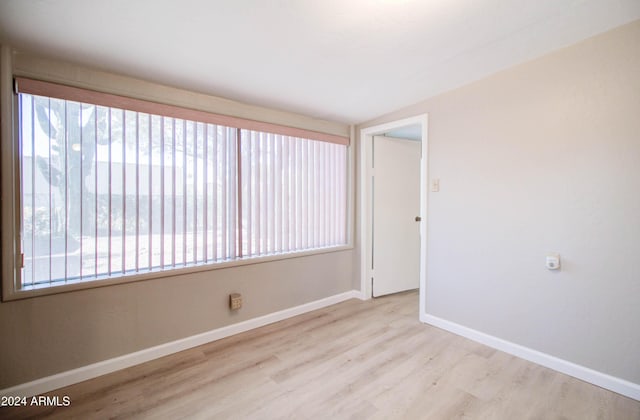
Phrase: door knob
pixel 418 218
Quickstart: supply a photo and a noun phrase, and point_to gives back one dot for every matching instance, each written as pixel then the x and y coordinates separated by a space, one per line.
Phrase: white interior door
pixel 396 203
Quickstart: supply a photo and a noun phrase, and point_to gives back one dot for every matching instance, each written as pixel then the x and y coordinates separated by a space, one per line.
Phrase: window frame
pixel 11 181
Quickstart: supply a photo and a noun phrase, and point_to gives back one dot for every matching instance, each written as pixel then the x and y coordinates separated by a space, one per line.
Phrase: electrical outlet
pixel 235 301
pixel 553 261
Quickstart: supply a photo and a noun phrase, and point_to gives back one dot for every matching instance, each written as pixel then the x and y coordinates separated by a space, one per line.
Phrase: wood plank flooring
pixel 353 360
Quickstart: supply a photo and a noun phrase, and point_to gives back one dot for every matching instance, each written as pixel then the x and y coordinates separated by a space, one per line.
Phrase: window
pixel 114 187
pixel 293 194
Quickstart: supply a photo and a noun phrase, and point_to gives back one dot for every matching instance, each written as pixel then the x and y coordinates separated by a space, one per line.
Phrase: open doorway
pixel 377 255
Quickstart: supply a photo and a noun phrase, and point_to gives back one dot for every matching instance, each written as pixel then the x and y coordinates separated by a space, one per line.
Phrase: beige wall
pixel 544 157
pixel 45 335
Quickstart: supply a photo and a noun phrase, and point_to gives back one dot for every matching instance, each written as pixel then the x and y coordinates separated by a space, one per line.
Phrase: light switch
pixel 435 184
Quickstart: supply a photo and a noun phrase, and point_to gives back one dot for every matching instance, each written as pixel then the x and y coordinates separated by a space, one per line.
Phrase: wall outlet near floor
pixel 235 301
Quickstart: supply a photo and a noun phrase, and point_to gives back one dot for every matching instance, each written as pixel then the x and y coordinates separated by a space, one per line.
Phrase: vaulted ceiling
pixel 341 60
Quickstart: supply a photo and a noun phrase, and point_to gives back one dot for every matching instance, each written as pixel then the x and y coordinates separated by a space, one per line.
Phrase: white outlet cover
pixel 553 261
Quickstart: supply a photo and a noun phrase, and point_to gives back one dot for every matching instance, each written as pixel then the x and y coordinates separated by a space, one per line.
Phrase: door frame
pixel 366 202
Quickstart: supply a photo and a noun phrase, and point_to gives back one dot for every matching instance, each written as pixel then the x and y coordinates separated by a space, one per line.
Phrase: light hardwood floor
pixel 355 360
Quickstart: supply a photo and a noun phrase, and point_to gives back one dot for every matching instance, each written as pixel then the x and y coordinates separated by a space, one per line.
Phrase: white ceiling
pixel 341 60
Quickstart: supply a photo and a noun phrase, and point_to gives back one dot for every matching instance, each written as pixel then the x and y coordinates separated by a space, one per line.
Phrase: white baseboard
pixel 359 295
pixel 612 383
pixel 94 370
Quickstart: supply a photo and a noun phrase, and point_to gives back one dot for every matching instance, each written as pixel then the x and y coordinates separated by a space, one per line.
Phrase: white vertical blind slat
pixel 278 194
pixel 263 193
pixel 137 169
pixel 292 192
pixel 271 195
pixel 123 166
pixel 174 184
pixel 95 186
pixel 299 202
pixel 181 228
pixel 286 164
pixel 194 158
pixel 205 193
pixel 223 193
pixel 255 192
pixel 214 196
pixel 232 196
pixel 249 215
pixel 33 188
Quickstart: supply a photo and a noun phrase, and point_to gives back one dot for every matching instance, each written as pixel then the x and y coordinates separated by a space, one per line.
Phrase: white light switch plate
pixel 435 185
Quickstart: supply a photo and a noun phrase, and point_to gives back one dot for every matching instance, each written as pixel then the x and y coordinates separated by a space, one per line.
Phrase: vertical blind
pixel 109 192
pixel 293 193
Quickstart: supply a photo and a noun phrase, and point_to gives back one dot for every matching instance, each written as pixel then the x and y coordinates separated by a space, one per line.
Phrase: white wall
pixel 542 157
